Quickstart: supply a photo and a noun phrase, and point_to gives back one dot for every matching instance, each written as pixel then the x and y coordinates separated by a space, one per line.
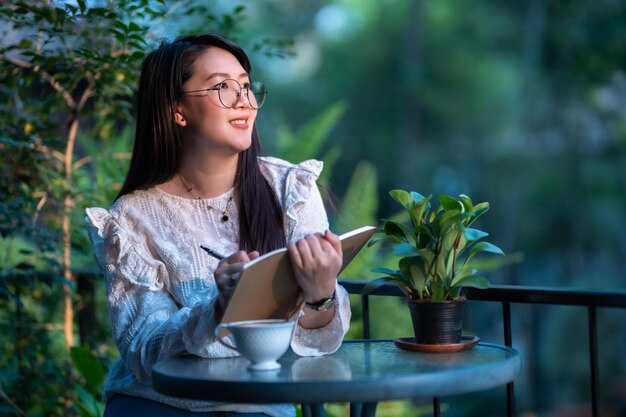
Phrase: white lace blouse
pixel 160 283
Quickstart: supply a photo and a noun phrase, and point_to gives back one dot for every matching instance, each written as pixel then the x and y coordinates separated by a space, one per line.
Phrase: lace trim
pixel 121 252
pixel 217 202
pixel 297 182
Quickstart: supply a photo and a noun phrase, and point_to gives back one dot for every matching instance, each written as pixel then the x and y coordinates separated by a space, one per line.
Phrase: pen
pixel 212 253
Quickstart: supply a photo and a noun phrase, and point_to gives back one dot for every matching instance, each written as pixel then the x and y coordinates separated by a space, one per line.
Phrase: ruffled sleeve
pixel 304 209
pixel 327 339
pixel 304 214
pixel 147 323
pixel 117 254
pixel 298 194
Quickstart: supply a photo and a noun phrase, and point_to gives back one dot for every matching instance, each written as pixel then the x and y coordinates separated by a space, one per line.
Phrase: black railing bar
pixel 356 409
pixel 510 399
pixel 365 311
pixel 436 407
pixel 547 295
pixel 355 287
pixel 517 294
pixel 510 293
pixel 369 409
pixel 508 341
pixel 506 320
pixel 593 359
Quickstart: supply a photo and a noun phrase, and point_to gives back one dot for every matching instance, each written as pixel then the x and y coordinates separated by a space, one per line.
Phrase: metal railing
pixel 507 295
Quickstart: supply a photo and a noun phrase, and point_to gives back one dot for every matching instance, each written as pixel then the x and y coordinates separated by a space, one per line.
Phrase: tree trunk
pixel 68 308
pixel 411 67
pixel 534 39
pixel 534 33
pixel 68 305
pixel 19 347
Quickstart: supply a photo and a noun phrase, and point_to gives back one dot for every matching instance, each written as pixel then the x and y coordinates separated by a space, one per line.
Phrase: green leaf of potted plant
pixel 436 252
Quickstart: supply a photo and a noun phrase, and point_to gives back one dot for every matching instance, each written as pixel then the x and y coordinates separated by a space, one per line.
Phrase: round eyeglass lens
pixel 257 94
pixel 230 90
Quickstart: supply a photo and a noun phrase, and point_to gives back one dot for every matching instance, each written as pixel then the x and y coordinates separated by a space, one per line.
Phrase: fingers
pixel 227 276
pixel 294 254
pixel 226 284
pixel 315 246
pixel 309 251
pixel 334 240
pixel 229 270
pixel 320 246
pixel 237 257
pixel 234 262
pixel 227 281
pixel 316 255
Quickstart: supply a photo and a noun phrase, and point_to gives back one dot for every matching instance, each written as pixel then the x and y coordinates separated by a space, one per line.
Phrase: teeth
pixel 238 122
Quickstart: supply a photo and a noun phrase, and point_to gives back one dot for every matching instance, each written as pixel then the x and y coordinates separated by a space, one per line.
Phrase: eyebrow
pixel 224 75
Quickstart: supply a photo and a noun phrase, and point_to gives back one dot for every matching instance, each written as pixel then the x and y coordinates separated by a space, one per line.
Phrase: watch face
pixel 326 305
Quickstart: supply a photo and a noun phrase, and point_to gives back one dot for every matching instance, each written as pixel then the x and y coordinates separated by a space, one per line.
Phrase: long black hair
pixel 158 146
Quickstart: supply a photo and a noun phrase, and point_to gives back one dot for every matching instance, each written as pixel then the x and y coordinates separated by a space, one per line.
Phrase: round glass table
pixel 361 372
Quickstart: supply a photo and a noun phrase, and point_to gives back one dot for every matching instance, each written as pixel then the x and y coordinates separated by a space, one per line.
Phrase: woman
pixel 196 178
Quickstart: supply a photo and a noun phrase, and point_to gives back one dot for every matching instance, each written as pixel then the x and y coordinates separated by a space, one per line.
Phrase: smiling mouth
pixel 239 122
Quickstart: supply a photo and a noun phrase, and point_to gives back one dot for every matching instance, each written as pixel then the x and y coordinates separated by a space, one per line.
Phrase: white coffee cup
pixel 262 342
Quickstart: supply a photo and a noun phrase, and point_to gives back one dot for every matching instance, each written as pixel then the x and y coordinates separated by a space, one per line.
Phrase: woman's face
pixel 204 120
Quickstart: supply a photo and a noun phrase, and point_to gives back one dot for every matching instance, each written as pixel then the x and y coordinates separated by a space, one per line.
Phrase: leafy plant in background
pixel 359 204
pixel 436 249
pixel 73 68
pixel 88 366
pixel 68 72
pixel 308 141
pixel 359 207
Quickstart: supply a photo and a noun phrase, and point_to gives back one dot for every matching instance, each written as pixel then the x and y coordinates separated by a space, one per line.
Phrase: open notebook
pixel 268 289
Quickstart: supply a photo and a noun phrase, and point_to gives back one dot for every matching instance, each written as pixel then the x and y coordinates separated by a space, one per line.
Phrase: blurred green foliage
pixel 517 103
pixel 89 401
pixel 68 72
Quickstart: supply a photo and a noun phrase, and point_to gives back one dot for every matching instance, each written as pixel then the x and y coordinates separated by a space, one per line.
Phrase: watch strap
pixel 324 304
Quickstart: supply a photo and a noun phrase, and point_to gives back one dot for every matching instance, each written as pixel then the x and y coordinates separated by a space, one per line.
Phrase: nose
pixel 242 99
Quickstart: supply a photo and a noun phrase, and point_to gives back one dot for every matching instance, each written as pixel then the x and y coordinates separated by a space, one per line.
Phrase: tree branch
pixel 87 93
pixel 6 398
pixel 54 84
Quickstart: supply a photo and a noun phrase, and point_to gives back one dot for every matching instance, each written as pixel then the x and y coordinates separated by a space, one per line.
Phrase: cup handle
pixel 221 338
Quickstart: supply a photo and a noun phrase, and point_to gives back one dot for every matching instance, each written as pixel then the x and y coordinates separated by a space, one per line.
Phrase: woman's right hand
pixel 227 276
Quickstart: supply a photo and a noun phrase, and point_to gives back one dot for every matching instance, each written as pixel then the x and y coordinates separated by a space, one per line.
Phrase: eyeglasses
pixel 230 90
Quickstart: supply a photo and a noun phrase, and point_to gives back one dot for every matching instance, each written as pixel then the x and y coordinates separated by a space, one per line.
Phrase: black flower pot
pixel 437 322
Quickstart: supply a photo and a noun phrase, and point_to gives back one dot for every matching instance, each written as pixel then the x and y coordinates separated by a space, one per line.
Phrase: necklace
pixel 224 217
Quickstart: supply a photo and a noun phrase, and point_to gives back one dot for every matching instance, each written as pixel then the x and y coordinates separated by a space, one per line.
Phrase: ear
pixel 179 118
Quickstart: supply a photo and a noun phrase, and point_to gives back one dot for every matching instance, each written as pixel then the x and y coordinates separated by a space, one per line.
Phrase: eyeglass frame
pixel 217 87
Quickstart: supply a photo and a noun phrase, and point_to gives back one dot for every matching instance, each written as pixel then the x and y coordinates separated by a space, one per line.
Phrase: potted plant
pixel 436 252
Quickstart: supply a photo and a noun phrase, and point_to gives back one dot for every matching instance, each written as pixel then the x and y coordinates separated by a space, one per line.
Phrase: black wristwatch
pixel 324 304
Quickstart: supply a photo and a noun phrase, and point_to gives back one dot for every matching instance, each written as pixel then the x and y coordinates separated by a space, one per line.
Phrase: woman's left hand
pixel 316 261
